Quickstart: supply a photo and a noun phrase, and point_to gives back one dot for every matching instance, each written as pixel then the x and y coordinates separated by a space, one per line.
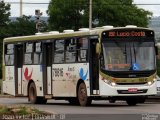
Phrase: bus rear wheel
pixel 41 100
pixel 73 101
pixel 84 100
pixel 32 93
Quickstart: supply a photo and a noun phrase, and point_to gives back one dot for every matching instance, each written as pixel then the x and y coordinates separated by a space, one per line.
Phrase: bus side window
pixel 59 51
pixel 28 59
pixel 70 45
pixel 82 49
pixel 9 54
pixel 38 53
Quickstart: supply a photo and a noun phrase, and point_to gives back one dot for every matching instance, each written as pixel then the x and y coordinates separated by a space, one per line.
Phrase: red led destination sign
pixel 126 34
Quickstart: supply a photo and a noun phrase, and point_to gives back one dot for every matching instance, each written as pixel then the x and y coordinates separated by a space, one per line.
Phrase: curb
pixel 7 96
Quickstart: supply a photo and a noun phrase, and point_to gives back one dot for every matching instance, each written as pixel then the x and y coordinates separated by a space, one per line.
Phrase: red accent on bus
pixel 27 77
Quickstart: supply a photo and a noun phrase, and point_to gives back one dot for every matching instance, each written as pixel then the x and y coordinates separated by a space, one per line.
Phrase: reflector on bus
pixel 68 31
pixel 131 26
pixel 84 29
pixel 54 32
pixel 38 33
pixel 107 27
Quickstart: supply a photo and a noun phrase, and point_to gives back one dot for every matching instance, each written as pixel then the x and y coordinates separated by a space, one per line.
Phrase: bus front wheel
pixel 132 101
pixel 84 100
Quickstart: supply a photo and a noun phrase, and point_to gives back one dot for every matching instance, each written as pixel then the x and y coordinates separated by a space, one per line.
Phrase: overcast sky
pixel 29 9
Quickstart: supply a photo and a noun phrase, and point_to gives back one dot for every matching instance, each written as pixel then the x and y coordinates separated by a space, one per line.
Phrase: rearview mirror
pixel 156 50
pixel 97 48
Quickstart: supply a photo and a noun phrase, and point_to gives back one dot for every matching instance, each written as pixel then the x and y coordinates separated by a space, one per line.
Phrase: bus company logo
pixel 82 75
pixel 26 75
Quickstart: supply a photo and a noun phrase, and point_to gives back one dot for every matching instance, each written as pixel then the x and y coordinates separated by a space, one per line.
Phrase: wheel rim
pixel 32 94
pixel 82 94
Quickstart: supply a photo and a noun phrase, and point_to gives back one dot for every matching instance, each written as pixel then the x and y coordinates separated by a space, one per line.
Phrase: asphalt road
pixel 99 110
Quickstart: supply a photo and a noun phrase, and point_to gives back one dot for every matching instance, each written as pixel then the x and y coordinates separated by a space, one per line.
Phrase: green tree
pixel 66 14
pixel 120 13
pixel 22 26
pixel 4 13
pixel 73 14
pixel 4 20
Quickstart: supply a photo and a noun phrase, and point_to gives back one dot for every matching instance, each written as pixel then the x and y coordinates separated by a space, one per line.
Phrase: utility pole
pixel 38 21
pixel 90 14
pixel 20 8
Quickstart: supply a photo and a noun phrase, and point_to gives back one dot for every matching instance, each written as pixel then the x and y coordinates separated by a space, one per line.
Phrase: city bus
pixel 105 63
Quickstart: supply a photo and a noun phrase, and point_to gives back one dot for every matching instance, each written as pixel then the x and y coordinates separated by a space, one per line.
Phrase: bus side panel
pixel 66 76
pixel 32 72
pixel 9 82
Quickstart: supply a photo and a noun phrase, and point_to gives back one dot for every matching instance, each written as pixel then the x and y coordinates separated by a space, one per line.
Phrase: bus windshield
pixel 128 56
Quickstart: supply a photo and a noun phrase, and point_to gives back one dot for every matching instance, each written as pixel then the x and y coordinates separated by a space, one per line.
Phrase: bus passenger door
pixel 18 69
pixel 47 75
pixel 94 67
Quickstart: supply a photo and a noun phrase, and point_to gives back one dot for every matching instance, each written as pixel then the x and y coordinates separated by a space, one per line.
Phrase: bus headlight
pixel 113 83
pixel 151 82
pixel 110 82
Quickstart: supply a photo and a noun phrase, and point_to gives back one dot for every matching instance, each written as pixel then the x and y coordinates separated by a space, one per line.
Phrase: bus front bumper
pixel 127 90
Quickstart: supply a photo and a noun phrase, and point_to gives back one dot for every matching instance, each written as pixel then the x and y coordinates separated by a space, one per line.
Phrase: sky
pixel 29 9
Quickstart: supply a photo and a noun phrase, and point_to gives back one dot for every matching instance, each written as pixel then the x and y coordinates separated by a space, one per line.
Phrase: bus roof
pixel 46 36
pixel 56 35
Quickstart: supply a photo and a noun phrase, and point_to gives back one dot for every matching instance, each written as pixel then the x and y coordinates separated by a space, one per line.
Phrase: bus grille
pixel 131 83
pixel 128 92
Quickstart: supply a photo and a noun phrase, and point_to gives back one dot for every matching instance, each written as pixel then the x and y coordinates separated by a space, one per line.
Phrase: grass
pixel 0 85
pixel 23 110
pixel 21 113
pixel 4 110
pixel 20 110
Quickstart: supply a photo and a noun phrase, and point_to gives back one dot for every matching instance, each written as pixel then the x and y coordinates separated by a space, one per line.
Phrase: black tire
pixel 73 101
pixel 141 99
pixel 132 101
pixel 83 99
pixel 32 93
pixel 41 100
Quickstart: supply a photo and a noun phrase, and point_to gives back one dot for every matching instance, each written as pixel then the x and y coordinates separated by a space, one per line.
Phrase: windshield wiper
pixel 131 54
pixel 134 50
pixel 125 53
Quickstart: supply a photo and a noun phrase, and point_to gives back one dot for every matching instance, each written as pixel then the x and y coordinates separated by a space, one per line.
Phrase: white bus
pixel 106 63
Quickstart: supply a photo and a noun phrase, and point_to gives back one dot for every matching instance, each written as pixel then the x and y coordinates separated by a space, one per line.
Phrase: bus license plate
pixel 132 89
